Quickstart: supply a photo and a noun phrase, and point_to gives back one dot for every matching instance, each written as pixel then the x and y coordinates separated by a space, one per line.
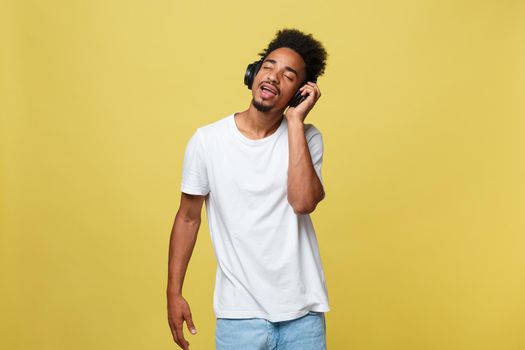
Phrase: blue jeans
pixel 304 333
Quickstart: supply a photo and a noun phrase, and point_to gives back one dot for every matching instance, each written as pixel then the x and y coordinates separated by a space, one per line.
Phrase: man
pixel 259 172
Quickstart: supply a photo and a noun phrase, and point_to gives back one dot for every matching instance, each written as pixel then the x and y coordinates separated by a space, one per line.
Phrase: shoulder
pixel 214 129
pixel 211 131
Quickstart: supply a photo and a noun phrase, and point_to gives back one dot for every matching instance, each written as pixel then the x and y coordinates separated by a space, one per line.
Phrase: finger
pixel 174 334
pixel 305 89
pixel 315 87
pixel 183 343
pixel 311 92
pixel 312 84
pixel 190 324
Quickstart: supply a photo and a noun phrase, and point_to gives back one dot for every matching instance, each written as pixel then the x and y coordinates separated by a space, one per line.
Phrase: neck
pixel 255 124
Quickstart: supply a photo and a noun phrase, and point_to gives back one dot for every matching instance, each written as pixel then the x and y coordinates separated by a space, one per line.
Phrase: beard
pixel 260 107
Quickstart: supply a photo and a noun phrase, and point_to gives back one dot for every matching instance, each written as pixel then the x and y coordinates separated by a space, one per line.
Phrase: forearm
pixel 182 242
pixel 305 189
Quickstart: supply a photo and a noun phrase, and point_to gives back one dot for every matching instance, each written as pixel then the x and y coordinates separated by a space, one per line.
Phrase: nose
pixel 272 76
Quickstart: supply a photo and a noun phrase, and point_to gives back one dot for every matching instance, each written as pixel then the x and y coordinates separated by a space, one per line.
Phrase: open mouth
pixel 268 90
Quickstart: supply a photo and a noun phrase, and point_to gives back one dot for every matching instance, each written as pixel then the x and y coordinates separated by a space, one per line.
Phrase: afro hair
pixel 311 50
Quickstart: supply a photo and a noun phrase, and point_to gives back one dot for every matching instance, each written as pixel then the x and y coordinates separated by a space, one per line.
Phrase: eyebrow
pixel 286 67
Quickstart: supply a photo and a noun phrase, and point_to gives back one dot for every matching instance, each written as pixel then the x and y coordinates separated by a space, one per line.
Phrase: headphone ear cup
pixel 297 98
pixel 251 72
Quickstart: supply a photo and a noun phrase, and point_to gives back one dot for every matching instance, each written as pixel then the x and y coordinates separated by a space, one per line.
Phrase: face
pixel 279 77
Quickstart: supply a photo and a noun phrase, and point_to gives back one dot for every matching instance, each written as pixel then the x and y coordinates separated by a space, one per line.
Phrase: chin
pixel 260 107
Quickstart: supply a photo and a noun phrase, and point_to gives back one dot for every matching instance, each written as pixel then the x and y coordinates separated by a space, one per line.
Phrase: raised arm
pixel 305 189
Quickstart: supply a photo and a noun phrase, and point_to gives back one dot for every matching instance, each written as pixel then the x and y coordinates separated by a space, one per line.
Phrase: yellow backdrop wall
pixel 423 117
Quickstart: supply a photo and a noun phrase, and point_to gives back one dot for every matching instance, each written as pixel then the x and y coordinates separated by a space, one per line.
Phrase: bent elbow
pixel 303 211
pixel 307 204
pixel 303 208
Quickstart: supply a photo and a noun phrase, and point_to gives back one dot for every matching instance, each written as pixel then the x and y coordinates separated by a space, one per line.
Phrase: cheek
pixel 259 76
pixel 293 87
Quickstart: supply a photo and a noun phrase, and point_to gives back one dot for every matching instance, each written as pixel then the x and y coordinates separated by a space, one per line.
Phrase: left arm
pixel 305 189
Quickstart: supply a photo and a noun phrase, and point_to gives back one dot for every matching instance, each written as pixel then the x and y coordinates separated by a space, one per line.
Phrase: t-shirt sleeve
pixel 315 145
pixel 194 174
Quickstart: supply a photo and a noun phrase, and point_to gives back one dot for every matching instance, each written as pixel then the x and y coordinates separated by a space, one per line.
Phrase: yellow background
pixel 422 232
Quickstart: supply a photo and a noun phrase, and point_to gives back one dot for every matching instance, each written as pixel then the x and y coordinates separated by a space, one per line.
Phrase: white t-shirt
pixel 268 262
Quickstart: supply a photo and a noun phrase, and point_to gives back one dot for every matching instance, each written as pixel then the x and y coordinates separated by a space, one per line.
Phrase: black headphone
pixel 251 72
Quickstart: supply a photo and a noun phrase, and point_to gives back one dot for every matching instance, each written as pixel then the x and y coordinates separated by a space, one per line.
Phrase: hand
pixel 302 109
pixel 178 312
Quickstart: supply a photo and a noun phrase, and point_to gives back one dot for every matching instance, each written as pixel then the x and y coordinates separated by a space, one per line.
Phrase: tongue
pixel 267 93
